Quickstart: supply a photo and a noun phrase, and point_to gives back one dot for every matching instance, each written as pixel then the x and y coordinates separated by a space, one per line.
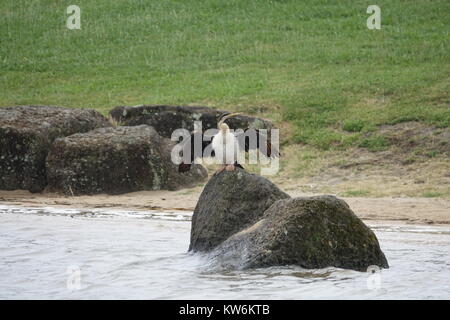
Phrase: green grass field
pixel 311 64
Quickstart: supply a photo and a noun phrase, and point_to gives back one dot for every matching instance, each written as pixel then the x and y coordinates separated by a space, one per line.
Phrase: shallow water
pixel 48 253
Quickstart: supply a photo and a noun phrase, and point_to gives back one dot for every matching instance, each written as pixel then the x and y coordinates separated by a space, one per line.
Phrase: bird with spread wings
pixel 226 145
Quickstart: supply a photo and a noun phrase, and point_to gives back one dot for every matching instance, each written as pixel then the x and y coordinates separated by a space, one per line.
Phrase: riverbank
pixel 407 209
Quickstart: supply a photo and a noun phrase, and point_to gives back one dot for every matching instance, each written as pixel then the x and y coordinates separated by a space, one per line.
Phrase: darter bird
pixel 227 145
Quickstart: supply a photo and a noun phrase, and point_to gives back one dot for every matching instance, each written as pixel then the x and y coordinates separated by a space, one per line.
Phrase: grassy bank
pixel 313 67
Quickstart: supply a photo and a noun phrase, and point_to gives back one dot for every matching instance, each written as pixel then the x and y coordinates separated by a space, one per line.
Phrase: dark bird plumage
pixel 248 139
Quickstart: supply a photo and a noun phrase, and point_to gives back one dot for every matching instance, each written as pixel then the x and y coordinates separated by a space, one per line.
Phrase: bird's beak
pixel 228 116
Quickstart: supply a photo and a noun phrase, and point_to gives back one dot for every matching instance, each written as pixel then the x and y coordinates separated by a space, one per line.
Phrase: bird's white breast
pixel 225 146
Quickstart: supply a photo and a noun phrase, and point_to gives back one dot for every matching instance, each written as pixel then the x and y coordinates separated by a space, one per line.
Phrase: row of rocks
pixel 116 160
pixel 165 119
pixel 244 221
pixel 78 151
pixel 26 136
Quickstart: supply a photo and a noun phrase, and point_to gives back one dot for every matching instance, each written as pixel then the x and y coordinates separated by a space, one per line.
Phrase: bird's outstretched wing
pixel 252 139
pixel 188 145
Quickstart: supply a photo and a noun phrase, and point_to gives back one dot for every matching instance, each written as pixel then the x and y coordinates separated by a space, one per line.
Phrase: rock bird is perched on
pixel 226 145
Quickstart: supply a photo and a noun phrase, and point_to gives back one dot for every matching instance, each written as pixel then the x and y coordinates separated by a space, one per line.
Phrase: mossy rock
pixel 26 135
pixel 310 232
pixel 115 161
pixel 230 202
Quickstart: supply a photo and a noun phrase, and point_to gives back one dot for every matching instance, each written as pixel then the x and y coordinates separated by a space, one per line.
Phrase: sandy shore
pixel 409 210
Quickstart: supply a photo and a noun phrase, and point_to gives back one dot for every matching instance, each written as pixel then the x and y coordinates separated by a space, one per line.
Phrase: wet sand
pixel 408 210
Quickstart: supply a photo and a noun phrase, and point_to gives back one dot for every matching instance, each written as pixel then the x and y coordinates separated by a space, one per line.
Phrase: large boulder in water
pixel 230 202
pixel 311 232
pixel 116 160
pixel 165 119
pixel 26 134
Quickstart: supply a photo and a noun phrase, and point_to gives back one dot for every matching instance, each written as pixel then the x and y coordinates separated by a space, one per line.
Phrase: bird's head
pixel 223 127
pixel 221 123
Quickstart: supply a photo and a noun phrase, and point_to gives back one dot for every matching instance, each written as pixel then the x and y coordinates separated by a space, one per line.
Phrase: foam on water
pixel 135 254
pixel 176 215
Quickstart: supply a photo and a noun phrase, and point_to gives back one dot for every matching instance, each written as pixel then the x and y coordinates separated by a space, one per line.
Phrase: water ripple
pixel 143 255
